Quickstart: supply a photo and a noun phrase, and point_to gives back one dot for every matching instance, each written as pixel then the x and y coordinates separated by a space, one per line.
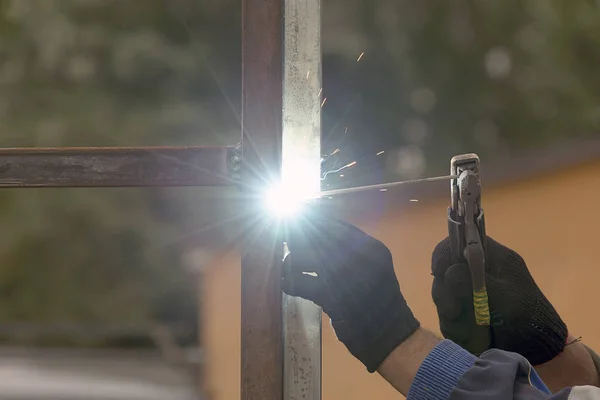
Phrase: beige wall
pixel 552 221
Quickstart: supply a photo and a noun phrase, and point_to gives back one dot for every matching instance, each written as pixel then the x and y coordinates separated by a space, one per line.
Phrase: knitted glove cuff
pixel 396 333
pixel 548 347
pixel 399 324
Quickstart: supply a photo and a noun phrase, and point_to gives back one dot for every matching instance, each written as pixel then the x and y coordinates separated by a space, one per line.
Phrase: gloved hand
pixel 522 319
pixel 351 276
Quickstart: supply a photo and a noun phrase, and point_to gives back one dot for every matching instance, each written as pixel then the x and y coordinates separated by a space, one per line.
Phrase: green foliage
pixel 437 78
pixel 441 78
pixel 107 73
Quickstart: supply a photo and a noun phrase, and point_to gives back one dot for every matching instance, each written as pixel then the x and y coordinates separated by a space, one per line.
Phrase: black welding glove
pixel 522 319
pixel 351 276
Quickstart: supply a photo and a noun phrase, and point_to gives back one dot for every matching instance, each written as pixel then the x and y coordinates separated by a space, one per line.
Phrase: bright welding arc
pixel 282 201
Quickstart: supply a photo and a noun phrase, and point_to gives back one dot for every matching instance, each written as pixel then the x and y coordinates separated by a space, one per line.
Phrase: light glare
pixel 284 201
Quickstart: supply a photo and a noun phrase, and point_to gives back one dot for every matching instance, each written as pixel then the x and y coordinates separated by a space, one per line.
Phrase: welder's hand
pixel 522 319
pixel 351 276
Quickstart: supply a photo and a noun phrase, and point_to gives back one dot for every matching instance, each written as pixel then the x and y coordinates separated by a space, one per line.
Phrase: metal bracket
pixel 234 163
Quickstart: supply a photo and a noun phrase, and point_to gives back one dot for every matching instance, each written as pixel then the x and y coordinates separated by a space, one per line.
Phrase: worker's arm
pixel 424 367
pixel 573 366
pixel 522 319
pixel 351 275
pixel 595 359
pixel 402 365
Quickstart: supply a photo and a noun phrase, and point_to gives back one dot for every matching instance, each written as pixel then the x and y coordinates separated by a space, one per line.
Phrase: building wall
pixel 552 221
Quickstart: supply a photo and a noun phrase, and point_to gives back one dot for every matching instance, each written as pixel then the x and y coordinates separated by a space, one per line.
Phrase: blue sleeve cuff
pixel 440 372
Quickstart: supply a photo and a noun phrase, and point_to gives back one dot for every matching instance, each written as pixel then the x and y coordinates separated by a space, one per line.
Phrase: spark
pixel 346 130
pixel 341 175
pixel 359 57
pixel 320 92
pixel 335 171
pixel 383 190
pixel 335 152
pixel 414 200
pixel 381 152
pixel 307 74
pixel 323 102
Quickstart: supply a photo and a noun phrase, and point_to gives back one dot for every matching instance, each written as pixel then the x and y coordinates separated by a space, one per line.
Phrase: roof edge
pixel 521 166
pixel 543 161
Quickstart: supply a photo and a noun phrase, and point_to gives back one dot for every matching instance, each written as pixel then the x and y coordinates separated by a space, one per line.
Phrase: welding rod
pixel 380 186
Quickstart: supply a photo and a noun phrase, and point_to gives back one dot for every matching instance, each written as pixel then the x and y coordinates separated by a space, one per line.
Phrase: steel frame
pixel 268 336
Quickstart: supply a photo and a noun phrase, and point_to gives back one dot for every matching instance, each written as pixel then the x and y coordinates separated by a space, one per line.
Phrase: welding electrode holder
pixel 466 229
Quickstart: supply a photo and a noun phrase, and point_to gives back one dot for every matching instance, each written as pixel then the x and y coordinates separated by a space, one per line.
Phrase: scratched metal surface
pixel 301 161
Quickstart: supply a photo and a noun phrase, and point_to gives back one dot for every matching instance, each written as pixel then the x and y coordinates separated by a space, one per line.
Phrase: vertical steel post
pixel 281 339
pixel 301 161
pixel 262 67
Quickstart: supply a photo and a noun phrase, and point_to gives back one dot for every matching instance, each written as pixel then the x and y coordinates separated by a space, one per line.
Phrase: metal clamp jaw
pixel 466 226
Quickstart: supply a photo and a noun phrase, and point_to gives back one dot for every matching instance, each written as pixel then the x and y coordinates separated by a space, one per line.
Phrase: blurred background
pixel 101 291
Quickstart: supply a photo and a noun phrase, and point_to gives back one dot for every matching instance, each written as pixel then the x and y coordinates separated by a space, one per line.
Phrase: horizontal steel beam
pixel 115 167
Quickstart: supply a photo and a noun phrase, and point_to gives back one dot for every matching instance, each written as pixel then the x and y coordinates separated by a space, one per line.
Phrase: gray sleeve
pixel 450 372
pixel 501 375
pixel 584 393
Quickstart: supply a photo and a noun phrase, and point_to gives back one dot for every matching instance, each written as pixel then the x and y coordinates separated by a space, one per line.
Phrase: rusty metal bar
pixel 114 167
pixel 261 329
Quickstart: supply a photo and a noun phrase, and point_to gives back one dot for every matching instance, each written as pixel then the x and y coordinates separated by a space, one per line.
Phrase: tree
pixel 106 73
pixel 436 79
